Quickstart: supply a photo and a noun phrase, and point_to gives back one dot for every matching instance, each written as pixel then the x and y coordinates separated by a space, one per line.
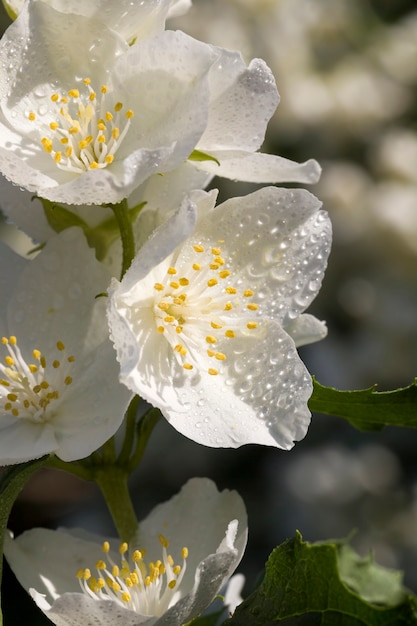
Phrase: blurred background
pixel 346 71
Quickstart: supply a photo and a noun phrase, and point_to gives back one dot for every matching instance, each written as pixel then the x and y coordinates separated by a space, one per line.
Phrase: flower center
pixel 199 303
pixel 28 389
pixel 146 589
pixel 86 134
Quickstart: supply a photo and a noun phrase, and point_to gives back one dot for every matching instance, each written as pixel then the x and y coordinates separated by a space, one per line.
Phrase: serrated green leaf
pixel 303 586
pixel 197 155
pixel 368 409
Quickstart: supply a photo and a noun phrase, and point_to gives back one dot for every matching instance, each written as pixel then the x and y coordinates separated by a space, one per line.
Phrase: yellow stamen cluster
pixel 144 588
pixel 86 132
pixel 27 389
pixel 201 297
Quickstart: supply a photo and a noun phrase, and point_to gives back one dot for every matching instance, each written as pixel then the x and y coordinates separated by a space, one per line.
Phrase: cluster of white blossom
pixel 109 121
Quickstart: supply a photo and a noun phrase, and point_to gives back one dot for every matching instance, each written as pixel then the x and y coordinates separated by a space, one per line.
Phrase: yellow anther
pixel 178 330
pixel 102 139
pixel 4 341
pixel 36 354
pixel 80 574
pixel 172 584
pixel 129 114
pixel 118 106
pixel 103 88
pixel 94 165
pixel 174 285
pixel 42 361
pixel 101 125
pixel 214 325
pixel 56 364
pixel 53 125
pixel 184 282
pixel 196 267
pixel 31 116
pixel 47 144
pixel 163 541
pixel 86 574
pixel 248 293
pixel 216 251
pixel 109 158
pixel 220 356
pixel 101 564
pixel 85 142
pixel 230 334
pixel 5 383
pixel 176 570
pixel 115 133
pixel 123 548
pixel 171 271
pixel 198 248
pixel 211 352
pixel 33 368
pixel 74 93
pixel 169 319
pixel 164 306
pixel 137 556
pixel 184 553
pixel 87 81
pixel 160 329
pixel 60 346
pixel 230 290
pixel 12 397
pixel 187 366
pixel 92 96
pixel 9 361
pixel 224 273
pixel 109 116
pixel 68 380
pixel 115 570
pixel 68 151
pixel 211 339
pixel 105 547
pixel 212 371
pixel 55 97
pixel 219 260
pixel 15 412
pixel 212 282
pixel 214 266
pixel 64 141
pixel 57 157
pixel 7 406
pixel 158 286
pixel 73 130
pixel 252 306
pixel 71 359
pixel 44 384
pixel 64 100
pixel 228 306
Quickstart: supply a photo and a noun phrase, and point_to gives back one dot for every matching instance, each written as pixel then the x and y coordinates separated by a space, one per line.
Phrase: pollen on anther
pixel 171 271
pixel 251 325
pixel 230 334
pixel 212 282
pixel 211 339
pixel 252 306
pixel 160 329
pixel 187 366
pixel 158 286
pixel 68 380
pixel 198 248
pixel 196 267
pixel 32 116
pixel 60 345
pixel 248 293
pixel 231 290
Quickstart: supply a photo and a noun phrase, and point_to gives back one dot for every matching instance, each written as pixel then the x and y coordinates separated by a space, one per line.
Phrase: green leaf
pixel 368 409
pixel 211 619
pixel 59 218
pixel 321 584
pixel 197 155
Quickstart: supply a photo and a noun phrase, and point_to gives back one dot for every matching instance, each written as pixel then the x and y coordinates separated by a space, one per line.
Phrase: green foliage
pixel 325 584
pixel 197 155
pixel 368 409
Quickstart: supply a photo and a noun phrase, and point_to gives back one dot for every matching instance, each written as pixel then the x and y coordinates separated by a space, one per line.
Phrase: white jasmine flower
pixel 206 327
pixel 132 20
pixel 158 579
pixel 59 391
pixel 85 118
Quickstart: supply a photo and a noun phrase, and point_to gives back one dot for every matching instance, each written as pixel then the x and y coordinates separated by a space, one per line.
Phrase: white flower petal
pixel 306 329
pixel 260 168
pixel 243 99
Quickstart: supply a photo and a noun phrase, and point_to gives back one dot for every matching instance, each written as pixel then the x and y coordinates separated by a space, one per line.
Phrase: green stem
pixel 112 481
pixel 130 427
pixel 122 216
pixel 12 481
